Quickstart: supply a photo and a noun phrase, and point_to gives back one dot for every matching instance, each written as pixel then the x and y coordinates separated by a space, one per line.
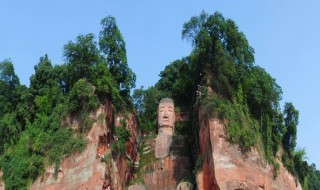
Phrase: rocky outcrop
pixel 185 186
pixel 226 167
pixel 95 168
pixel 137 187
pixel 1 181
pixel 167 173
pixel 163 143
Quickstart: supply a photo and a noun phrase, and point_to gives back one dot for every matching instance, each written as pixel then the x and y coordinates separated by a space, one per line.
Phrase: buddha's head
pixel 166 114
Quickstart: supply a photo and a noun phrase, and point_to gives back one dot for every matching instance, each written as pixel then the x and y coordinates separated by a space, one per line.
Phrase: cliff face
pixel 1 182
pixel 226 167
pixel 91 169
pixel 169 172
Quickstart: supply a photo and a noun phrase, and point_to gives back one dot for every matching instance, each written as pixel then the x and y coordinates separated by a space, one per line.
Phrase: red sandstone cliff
pixel 225 167
pixel 86 170
pixel 1 182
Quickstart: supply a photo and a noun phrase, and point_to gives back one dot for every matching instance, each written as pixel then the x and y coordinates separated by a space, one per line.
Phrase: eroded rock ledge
pixel 90 169
pixel 225 167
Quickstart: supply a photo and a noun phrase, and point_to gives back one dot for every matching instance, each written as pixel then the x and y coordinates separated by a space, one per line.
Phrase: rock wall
pixel 123 165
pixel 87 170
pixel 167 173
pixel 1 181
pixel 226 167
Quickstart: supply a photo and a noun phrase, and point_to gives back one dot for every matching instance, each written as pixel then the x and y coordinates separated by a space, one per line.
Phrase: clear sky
pixel 284 34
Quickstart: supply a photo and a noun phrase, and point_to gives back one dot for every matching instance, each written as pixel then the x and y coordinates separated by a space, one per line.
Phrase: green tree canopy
pixel 9 82
pixel 113 46
pixel 222 56
pixel 81 57
pixel 43 73
pixel 291 120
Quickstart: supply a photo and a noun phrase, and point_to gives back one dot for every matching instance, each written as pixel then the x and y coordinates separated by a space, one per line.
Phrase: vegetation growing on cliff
pixel 33 125
pixel 219 79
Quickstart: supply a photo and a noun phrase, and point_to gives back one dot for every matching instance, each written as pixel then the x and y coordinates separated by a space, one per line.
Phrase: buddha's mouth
pixel 165 119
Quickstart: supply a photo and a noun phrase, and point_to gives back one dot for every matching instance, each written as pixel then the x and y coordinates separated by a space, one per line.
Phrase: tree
pixel 192 28
pixel 7 74
pixel 9 81
pixel 82 97
pixel 113 46
pixel 301 166
pixel 175 78
pixel 9 130
pixel 262 91
pixel 291 120
pixel 138 100
pixel 221 54
pixel 151 98
pixel 81 57
pixel 43 73
pixel 313 178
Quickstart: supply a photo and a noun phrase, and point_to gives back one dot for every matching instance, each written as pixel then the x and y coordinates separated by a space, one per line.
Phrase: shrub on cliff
pixel 119 145
pixel 219 79
pixel 34 133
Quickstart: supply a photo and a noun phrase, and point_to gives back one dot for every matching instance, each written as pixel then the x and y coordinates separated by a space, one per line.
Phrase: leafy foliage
pixel 291 121
pixel 198 165
pixel 313 177
pixel 119 146
pixel 9 82
pixel 81 57
pixel 219 80
pixel 113 46
pixel 33 121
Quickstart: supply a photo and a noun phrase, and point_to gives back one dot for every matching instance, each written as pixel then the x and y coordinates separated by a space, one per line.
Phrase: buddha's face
pixel 166 115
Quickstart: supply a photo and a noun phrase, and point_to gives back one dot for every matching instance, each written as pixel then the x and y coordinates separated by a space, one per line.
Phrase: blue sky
pixel 284 34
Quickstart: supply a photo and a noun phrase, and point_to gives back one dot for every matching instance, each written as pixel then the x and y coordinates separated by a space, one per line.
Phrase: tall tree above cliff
pixel 113 46
pixel 222 54
pixel 81 57
pixel 43 73
pixel 176 77
pixel 9 81
pixel 291 120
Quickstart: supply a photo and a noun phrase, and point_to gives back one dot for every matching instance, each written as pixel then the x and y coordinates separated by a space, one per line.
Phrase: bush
pixel 275 169
pixel 119 146
pixel 122 134
pixel 106 158
pixel 85 122
pixel 82 97
pixel 240 127
pixel 181 128
pixel 198 165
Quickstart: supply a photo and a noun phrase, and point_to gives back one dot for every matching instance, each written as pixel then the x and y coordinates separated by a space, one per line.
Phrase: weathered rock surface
pixel 1 182
pixel 167 173
pixel 226 167
pixel 163 143
pixel 86 170
pixel 136 187
pixel 185 186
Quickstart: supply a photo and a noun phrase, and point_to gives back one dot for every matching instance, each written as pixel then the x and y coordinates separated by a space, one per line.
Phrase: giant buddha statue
pixel 166 119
